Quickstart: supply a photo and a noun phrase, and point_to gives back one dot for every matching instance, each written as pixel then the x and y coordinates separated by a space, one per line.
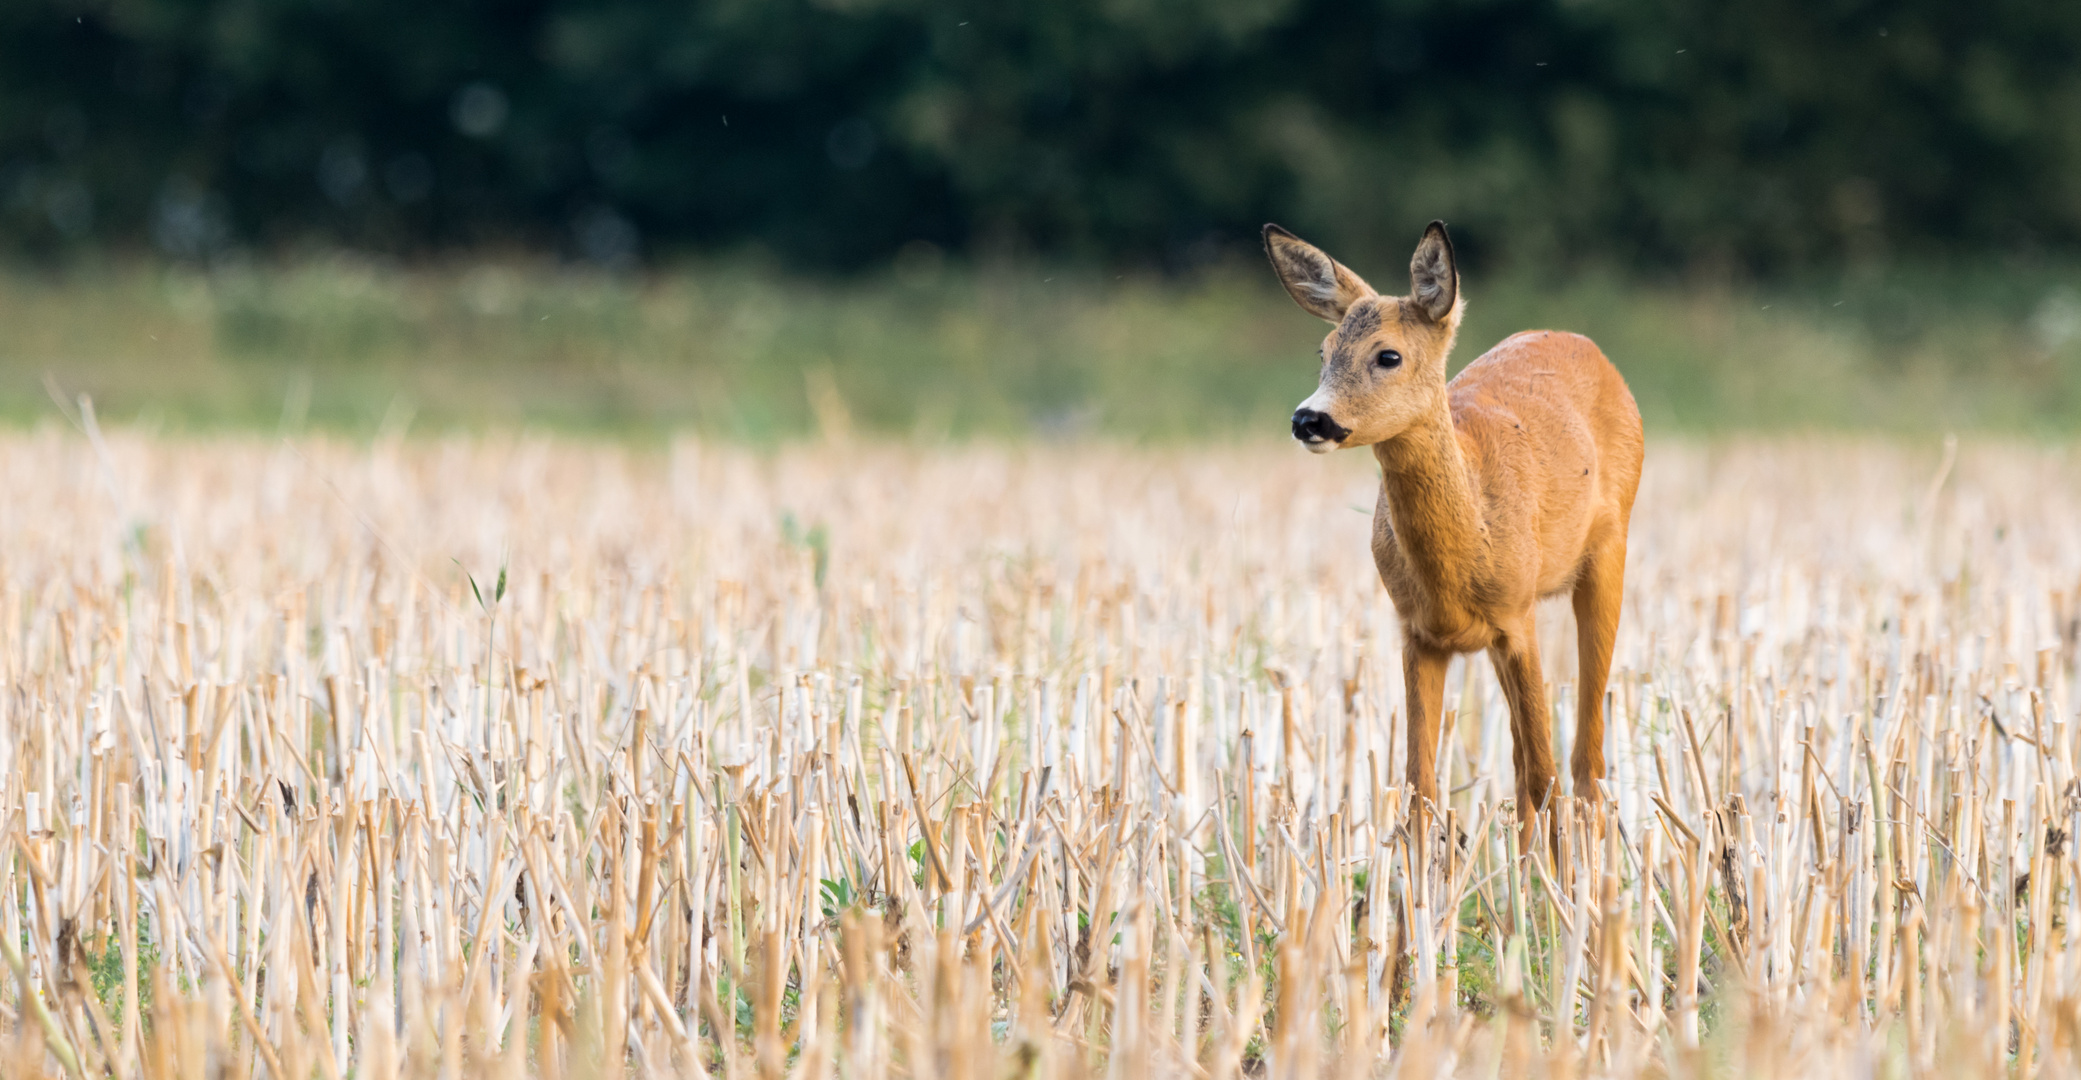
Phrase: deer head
pixel 1383 367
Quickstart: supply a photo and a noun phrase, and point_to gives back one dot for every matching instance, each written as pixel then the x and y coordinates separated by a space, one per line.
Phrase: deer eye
pixel 1388 358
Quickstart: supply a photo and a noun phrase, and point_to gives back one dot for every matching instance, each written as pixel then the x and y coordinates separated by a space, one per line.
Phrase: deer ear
pixel 1321 285
pixel 1434 278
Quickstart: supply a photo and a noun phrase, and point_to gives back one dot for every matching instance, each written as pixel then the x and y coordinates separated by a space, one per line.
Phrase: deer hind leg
pixel 1516 658
pixel 1423 673
pixel 1597 592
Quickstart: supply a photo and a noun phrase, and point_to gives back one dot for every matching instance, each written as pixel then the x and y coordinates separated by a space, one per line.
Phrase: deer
pixel 1510 483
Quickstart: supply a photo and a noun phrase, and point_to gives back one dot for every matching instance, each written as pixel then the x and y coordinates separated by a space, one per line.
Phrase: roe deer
pixel 1512 482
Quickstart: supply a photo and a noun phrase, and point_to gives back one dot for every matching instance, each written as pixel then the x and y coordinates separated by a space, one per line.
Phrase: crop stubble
pixel 882 762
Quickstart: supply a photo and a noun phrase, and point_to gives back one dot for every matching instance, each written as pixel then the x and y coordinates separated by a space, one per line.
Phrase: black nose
pixel 1310 425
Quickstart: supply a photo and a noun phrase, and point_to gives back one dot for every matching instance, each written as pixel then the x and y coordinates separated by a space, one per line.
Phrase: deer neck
pixel 1434 505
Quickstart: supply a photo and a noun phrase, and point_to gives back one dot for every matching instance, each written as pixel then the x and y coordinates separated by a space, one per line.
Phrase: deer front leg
pixel 1516 657
pixel 1423 673
pixel 1597 594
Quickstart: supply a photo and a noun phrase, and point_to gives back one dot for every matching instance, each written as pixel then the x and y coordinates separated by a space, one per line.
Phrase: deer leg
pixel 1516 658
pixel 1423 673
pixel 1597 593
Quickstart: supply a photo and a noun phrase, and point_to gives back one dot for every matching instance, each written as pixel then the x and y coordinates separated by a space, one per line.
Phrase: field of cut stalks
pixel 505 757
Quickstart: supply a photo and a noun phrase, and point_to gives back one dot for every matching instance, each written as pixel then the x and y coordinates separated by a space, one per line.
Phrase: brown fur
pixel 1513 482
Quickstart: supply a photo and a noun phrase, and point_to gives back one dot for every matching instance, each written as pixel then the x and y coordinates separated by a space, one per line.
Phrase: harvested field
pixel 509 756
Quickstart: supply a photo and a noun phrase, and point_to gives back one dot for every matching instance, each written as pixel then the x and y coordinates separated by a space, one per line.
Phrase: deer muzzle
pixel 1315 430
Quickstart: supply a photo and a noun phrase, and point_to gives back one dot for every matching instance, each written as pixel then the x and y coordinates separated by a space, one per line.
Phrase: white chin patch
pixel 1319 446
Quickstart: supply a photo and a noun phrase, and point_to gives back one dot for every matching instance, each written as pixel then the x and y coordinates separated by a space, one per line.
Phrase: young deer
pixel 1512 482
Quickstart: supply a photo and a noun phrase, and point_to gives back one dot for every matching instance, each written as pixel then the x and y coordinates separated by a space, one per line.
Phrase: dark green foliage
pixel 833 133
pixel 817 541
pixel 105 971
pixel 837 896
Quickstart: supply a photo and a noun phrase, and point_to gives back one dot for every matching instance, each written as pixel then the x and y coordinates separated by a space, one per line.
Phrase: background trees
pixel 1755 138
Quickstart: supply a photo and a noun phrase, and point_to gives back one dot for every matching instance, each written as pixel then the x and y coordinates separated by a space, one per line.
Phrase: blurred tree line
pixel 1750 137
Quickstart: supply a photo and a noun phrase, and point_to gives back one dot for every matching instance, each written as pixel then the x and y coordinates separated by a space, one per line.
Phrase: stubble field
pixel 506 756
